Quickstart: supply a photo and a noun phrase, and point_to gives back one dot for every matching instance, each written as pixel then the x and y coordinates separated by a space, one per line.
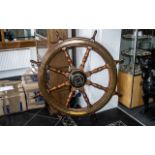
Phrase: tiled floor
pixel 110 117
pixel 38 117
pixel 147 118
pixel 41 117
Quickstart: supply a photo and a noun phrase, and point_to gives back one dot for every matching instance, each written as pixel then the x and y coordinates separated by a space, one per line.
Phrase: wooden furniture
pixel 131 93
pixel 135 44
pixel 15 43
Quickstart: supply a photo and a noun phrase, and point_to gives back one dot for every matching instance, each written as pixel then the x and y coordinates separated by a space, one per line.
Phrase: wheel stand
pixel 65 120
pixel 68 121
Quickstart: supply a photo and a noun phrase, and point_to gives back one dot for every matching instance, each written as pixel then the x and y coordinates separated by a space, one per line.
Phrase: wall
pixel 15 62
pixel 110 39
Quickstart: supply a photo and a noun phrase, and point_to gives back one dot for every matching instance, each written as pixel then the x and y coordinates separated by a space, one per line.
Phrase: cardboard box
pixel 29 77
pixel 12 97
pixel 33 100
pixel 1 107
pixel 31 88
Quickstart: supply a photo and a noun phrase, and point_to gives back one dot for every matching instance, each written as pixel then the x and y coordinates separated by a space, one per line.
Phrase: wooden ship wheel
pixel 76 78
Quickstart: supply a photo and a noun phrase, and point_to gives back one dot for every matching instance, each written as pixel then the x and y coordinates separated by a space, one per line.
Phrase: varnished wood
pixel 85 57
pixel 128 98
pixel 2 38
pixel 98 69
pixel 69 98
pixel 18 44
pixel 52 36
pixel 97 85
pixel 85 97
pixel 58 71
pixel 69 60
pixel 58 87
pixel 137 99
pixel 42 43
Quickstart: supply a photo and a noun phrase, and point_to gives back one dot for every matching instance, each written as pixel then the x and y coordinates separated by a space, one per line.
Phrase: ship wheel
pixel 76 77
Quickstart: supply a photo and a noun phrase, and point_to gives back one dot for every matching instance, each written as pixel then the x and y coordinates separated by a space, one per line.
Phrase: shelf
pixel 131 36
pixel 18 44
pixel 139 53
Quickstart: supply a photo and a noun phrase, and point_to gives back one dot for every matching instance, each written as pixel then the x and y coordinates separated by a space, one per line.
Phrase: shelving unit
pixel 129 76
pixel 20 43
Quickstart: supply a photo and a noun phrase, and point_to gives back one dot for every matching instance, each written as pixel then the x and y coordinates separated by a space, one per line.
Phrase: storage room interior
pixel 77 77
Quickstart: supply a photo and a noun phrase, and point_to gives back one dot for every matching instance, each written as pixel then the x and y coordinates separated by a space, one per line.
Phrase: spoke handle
pixel 94 35
pixel 35 62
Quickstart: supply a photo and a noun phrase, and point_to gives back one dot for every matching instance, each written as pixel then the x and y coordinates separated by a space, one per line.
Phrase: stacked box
pixel 12 97
pixel 34 100
pixel 1 105
pixel 17 96
pixel 30 85
pixel 29 77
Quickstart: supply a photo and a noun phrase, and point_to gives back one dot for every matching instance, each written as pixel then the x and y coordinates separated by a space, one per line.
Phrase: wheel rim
pixel 77 78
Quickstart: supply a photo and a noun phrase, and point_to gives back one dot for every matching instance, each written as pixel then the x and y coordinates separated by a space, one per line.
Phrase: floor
pixel 30 118
pixel 41 117
pixel 112 117
pixel 147 118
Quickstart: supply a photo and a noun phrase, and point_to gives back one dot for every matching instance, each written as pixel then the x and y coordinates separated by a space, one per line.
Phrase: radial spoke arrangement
pixel 85 97
pixel 57 71
pixel 69 98
pixel 58 86
pixel 85 58
pixel 70 62
pixel 97 85
pixel 77 74
pixel 96 70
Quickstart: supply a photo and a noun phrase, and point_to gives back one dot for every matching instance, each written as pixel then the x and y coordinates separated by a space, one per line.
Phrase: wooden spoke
pixel 58 86
pixel 85 97
pixel 69 98
pixel 85 57
pixel 70 62
pixel 57 71
pixel 96 70
pixel 97 85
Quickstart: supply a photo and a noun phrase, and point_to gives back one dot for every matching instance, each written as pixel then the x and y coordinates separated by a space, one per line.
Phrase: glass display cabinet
pixel 16 38
pixel 136 46
pixel 41 42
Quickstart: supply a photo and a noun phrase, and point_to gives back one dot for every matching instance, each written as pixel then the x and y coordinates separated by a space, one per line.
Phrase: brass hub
pixel 77 79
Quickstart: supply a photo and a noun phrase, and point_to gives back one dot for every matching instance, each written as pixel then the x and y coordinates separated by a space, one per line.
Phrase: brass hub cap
pixel 77 79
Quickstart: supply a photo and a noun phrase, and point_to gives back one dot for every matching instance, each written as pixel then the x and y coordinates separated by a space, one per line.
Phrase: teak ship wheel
pixel 77 78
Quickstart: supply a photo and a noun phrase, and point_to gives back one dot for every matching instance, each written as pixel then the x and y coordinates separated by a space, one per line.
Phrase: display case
pixel 16 38
pixel 41 42
pixel 135 46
